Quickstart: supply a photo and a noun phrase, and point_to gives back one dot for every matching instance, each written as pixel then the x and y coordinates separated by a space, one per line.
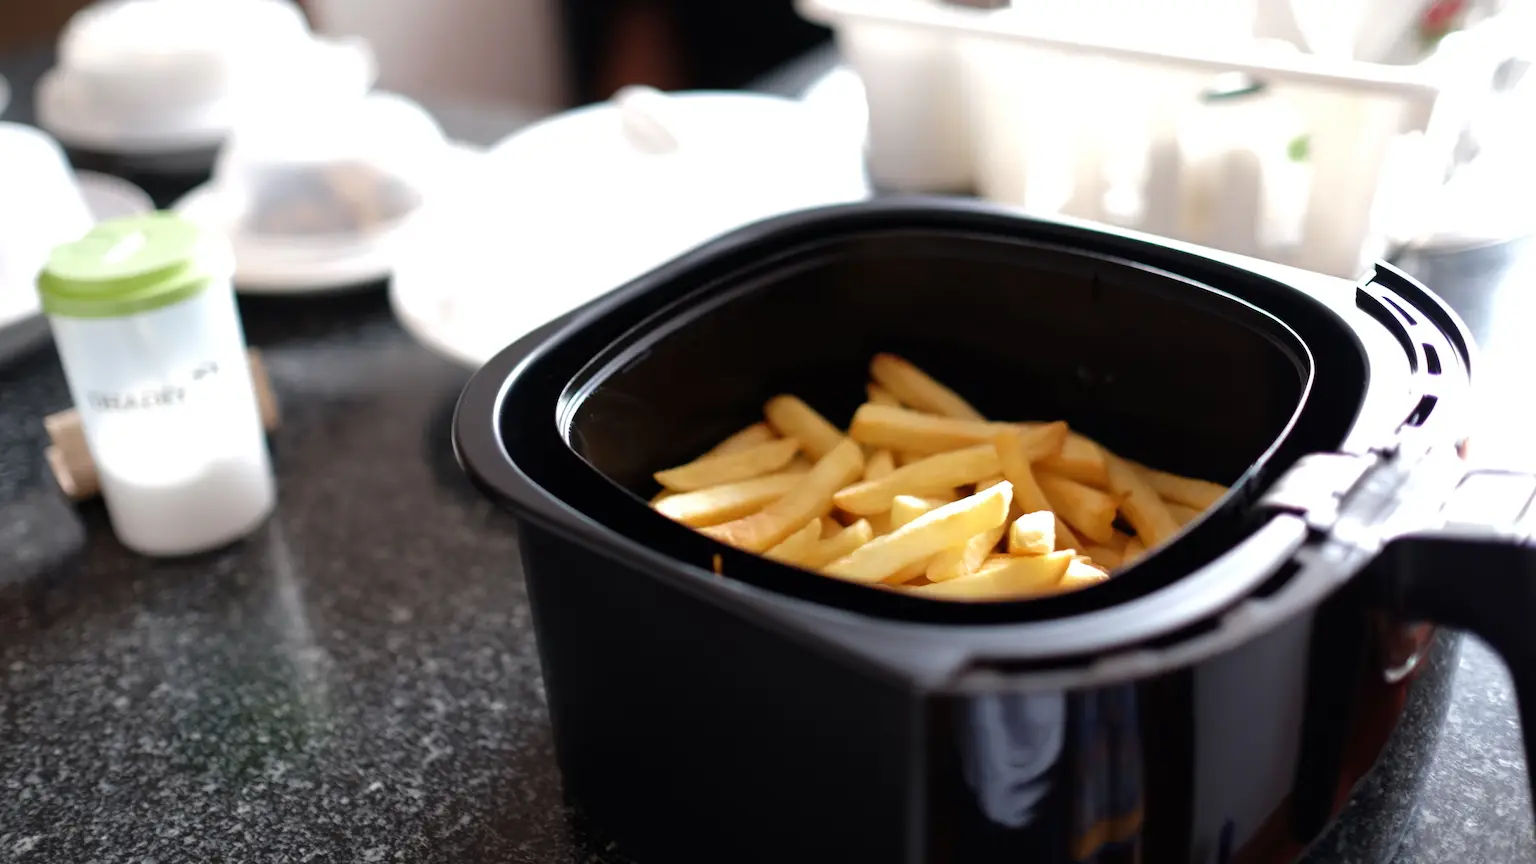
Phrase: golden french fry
pixel 1012 578
pixel 792 418
pixel 916 388
pixel 1134 549
pixel 908 431
pixel 905 457
pixel 881 522
pixel 1181 513
pixel 1103 555
pixel 880 463
pixel 1140 505
pixel 808 500
pixel 881 396
pixel 1199 494
pixel 751 436
pixel 943 471
pixel 717 504
pixel 842 543
pixel 924 537
pixel 912 432
pixel 1081 574
pixel 1032 534
pixel 829 527
pixel 912 573
pixel 797 547
pixel 984 485
pixel 1013 455
pixel 905 508
pixel 1089 511
pixel 662 496
pixel 958 561
pixel 744 464
pixel 1078 459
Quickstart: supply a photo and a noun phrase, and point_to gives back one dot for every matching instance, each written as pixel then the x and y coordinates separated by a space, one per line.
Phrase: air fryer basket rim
pixel 478 441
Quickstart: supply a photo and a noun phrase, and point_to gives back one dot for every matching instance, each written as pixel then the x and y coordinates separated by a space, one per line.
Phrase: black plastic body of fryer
pixel 1220 702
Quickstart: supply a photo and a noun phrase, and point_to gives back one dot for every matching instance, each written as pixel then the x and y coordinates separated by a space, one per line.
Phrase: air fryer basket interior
pixel 1158 370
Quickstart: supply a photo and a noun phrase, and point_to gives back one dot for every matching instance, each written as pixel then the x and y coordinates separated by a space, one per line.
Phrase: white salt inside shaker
pixel 144 317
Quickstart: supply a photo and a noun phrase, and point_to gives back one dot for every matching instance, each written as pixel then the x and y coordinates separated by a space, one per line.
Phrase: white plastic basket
pixel 1024 110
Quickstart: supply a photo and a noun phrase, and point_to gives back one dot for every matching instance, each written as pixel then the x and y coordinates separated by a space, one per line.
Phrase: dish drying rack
pixel 1023 110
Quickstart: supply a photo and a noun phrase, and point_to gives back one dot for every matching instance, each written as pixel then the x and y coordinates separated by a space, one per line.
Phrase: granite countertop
pixel 359 682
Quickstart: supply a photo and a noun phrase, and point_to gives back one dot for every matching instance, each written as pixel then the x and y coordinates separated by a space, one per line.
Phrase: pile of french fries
pixel 925 495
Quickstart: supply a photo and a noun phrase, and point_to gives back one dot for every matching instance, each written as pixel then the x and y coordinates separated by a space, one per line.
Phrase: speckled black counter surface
pixel 358 682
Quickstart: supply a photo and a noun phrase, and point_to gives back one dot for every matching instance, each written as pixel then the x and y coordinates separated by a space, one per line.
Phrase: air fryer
pixel 1217 701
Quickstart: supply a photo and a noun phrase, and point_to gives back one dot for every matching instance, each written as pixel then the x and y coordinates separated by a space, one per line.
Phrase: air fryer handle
pixel 1478 573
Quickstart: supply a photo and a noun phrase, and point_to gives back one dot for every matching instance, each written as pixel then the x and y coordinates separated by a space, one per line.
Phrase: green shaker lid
pixel 124 267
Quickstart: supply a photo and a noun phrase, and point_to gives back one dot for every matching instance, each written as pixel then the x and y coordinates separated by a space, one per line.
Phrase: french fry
pixel 1012 578
pixel 717 504
pixel 1089 511
pixel 751 436
pixel 984 485
pixel 914 387
pixel 797 547
pixel 1103 555
pixel 1182 514
pixel 1080 574
pixel 1032 534
pixel 906 508
pixel 881 396
pixel 792 418
pixel 662 496
pixel 880 463
pixel 1199 494
pixel 1013 455
pixel 958 561
pixel 945 470
pixel 1141 506
pixel 910 574
pixel 881 523
pixel 842 543
pixel 924 537
pixel 1134 549
pixel 909 432
pixel 1080 459
pixel 829 527
pixel 808 500
pixel 743 464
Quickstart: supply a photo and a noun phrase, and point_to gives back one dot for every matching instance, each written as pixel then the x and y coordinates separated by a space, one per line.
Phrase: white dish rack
pixel 1024 111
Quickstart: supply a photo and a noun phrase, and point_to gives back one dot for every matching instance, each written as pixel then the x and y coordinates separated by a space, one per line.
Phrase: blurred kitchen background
pixel 351 142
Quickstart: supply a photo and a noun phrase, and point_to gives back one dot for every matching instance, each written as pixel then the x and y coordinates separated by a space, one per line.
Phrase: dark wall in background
pixel 28 22
pixel 721 43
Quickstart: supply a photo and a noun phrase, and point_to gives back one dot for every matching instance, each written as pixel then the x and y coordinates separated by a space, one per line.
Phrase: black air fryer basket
pixel 1225 693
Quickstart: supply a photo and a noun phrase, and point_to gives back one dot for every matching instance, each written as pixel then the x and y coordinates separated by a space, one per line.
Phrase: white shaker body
pixel 170 414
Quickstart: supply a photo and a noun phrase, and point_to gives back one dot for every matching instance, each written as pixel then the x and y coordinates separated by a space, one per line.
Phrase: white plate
pixel 259 272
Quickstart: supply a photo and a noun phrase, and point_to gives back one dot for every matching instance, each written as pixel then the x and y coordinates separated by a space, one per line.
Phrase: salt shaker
pixel 143 314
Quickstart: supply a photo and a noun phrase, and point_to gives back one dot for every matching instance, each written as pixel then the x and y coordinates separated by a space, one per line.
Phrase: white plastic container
pixel 40 207
pixel 158 77
pixel 323 195
pixel 1058 107
pixel 144 318
pixel 642 178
